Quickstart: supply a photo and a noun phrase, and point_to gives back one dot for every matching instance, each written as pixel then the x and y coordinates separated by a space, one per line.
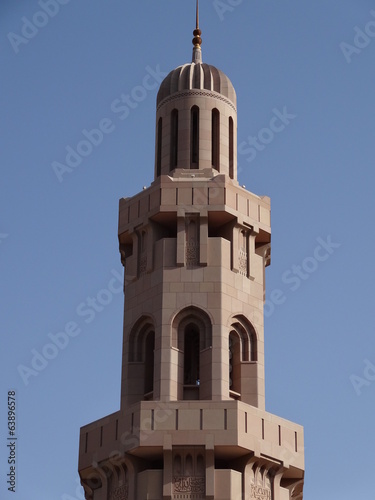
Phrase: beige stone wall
pixel 160 283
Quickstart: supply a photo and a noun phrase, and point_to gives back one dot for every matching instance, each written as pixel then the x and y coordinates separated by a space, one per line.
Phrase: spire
pixel 197 40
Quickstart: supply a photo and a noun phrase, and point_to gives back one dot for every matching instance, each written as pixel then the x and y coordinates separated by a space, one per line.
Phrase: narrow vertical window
pixel 234 365
pixel 189 465
pixel 194 140
pixel 191 356
pixel 177 466
pixel 231 148
pixel 174 139
pixel 262 428
pixel 158 154
pixel 201 469
pixel 149 363
pixel 142 260
pixel 215 139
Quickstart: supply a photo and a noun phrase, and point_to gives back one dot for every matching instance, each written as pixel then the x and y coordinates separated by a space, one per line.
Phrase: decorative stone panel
pixel 120 493
pixel 260 493
pixel 242 262
pixel 189 485
pixel 192 241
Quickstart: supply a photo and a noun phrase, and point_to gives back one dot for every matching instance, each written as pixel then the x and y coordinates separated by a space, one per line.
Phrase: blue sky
pixel 58 236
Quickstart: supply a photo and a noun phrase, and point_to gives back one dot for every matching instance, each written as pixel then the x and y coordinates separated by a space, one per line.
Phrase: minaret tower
pixel 195 245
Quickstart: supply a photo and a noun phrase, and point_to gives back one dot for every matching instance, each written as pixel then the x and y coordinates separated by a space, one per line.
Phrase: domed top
pixel 197 76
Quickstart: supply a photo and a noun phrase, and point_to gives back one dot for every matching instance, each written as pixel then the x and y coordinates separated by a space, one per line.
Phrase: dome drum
pixel 196 126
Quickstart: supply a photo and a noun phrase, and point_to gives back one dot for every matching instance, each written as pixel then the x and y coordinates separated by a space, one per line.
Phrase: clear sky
pixel 62 73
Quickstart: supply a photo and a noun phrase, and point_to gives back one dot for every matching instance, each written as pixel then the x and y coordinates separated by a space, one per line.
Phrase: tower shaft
pixel 195 244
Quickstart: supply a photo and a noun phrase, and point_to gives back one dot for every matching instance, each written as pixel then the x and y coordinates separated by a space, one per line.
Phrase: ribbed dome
pixel 196 76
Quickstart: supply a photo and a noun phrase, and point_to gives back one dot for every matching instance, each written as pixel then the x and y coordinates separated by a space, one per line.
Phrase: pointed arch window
pixel 215 139
pixel 194 139
pixel 141 358
pixel 159 144
pixel 192 336
pixel 242 351
pixel 231 148
pixel 174 140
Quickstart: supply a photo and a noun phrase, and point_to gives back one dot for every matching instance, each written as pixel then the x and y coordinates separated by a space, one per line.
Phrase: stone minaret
pixel 195 245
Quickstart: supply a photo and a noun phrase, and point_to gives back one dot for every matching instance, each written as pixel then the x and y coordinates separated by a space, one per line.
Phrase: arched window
pixel 158 153
pixel 231 148
pixel 247 336
pixel 194 139
pixel 192 337
pixel 242 350
pixel 174 140
pixel 141 358
pixel 196 316
pixel 215 139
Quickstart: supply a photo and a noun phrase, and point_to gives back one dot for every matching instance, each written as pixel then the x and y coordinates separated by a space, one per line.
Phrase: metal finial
pixel 197 40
